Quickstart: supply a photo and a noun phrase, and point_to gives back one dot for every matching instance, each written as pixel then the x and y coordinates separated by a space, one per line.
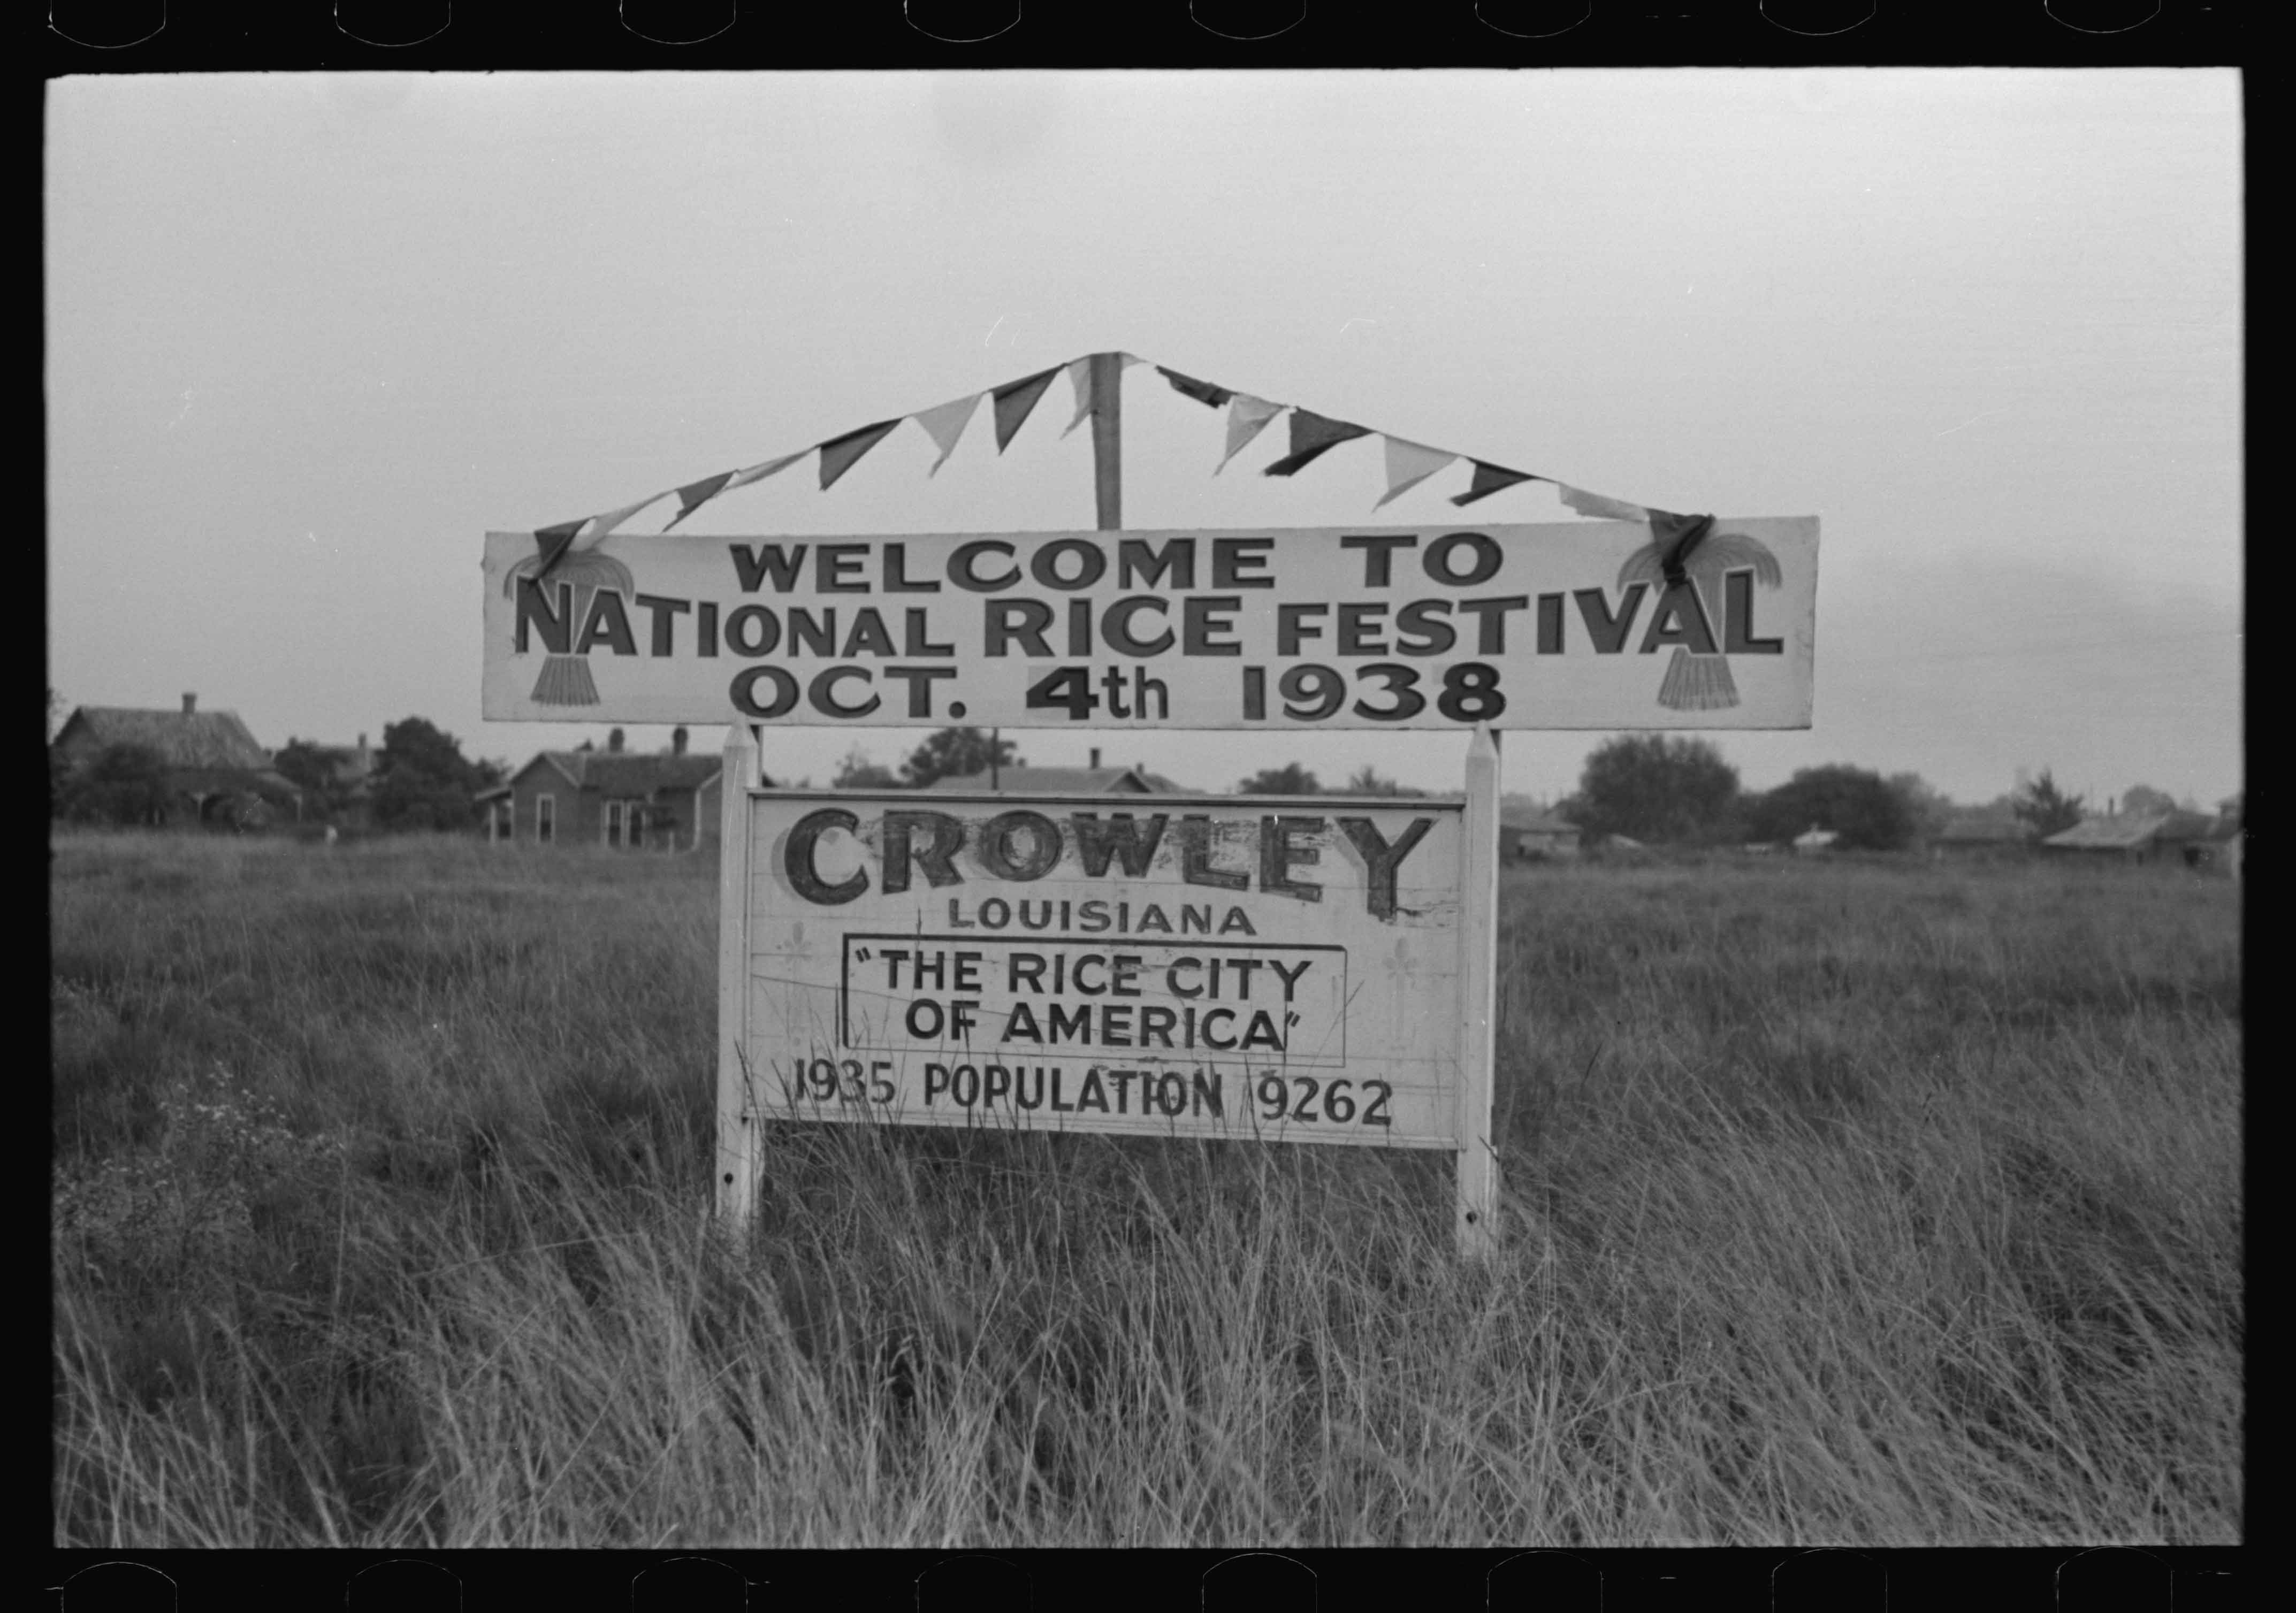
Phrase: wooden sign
pixel 1556 627
pixel 1293 970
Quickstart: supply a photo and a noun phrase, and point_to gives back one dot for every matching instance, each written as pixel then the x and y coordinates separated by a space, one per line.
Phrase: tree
pixel 122 785
pixel 1368 780
pixel 956 753
pixel 2145 798
pixel 1930 809
pixel 857 772
pixel 1290 779
pixel 305 765
pixel 1861 808
pixel 1656 786
pixel 2048 809
pixel 423 781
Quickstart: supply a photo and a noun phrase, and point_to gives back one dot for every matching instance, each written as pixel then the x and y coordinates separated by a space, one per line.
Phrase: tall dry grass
pixel 1846 1204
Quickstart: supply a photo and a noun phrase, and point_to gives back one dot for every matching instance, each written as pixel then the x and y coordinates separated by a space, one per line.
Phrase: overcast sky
pixel 310 338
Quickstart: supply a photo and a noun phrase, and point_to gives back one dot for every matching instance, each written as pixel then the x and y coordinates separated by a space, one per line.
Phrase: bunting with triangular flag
pixel 1080 377
pixel 1410 463
pixel 1015 398
pixel 945 424
pixel 1247 417
pixel 1599 507
pixel 839 453
pixel 1188 386
pixel 595 531
pixel 1488 479
pixel 1677 538
pixel 1312 436
pixel 743 478
pixel 694 494
pixel 551 542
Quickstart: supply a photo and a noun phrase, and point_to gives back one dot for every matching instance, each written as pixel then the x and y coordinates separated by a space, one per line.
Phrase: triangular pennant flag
pixel 1080 375
pixel 593 532
pixel 553 542
pixel 1312 435
pixel 945 423
pixel 1599 507
pixel 1247 417
pixel 1488 479
pixel 1015 398
pixel 1676 536
pixel 694 494
pixel 743 478
pixel 839 453
pixel 1410 463
pixel 1188 386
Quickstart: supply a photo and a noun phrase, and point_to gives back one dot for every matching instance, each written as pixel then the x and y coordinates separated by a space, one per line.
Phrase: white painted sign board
pixel 1556 625
pixel 1296 970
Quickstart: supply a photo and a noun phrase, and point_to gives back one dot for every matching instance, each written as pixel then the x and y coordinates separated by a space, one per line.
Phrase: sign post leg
pixel 1476 1220
pixel 737 1117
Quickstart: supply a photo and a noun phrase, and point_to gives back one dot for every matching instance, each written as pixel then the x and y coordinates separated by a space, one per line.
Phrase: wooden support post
pixel 738 1115
pixel 1107 376
pixel 1478 1216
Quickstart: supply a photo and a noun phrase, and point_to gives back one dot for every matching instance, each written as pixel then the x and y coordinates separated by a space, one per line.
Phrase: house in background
pixel 665 800
pixel 2177 838
pixel 216 774
pixel 1983 836
pixel 2226 843
pixel 1526 835
pixel 1090 780
pixel 1814 839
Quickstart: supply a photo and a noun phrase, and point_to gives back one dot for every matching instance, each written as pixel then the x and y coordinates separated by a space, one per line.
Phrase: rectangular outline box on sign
pixel 1326 1056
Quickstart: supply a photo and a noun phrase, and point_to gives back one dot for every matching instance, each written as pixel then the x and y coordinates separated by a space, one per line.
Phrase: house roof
pixel 1063 781
pixel 2191 826
pixel 1525 820
pixel 627 773
pixel 2126 832
pixel 183 739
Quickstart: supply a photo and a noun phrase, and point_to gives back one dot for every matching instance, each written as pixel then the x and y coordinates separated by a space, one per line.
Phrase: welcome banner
pixel 1616 625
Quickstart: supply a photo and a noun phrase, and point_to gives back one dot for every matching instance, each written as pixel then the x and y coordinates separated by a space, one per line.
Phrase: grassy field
pixel 1846 1204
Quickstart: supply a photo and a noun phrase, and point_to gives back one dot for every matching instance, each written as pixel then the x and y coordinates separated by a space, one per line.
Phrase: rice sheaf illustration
pixel 565 679
pixel 1698 681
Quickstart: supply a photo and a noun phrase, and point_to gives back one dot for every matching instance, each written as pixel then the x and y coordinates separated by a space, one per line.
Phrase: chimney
pixel 191 702
pixel 1095 758
pixel 614 740
pixel 677 742
pixel 362 744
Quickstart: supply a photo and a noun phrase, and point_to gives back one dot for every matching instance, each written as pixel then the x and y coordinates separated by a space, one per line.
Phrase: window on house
pixel 545 818
pixel 498 820
pixel 626 824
